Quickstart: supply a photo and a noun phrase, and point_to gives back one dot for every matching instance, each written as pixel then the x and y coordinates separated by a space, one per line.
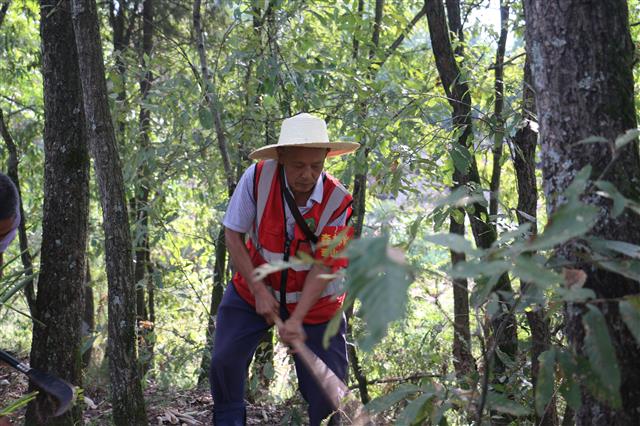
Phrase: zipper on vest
pixel 284 313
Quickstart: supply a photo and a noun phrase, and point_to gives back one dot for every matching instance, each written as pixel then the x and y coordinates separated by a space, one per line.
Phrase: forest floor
pixel 164 407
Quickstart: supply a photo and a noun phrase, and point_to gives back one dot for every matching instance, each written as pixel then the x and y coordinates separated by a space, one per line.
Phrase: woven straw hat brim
pixel 270 152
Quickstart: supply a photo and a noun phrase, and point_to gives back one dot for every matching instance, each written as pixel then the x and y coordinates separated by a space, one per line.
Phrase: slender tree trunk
pixel 216 297
pixel 582 60
pixel 359 204
pixel 25 254
pixel 355 43
pixel 142 248
pixel 498 138
pixel 57 333
pixel 126 389
pixel 211 100
pixel 3 10
pixel 121 35
pixel 503 323
pixel 523 155
pixel 88 321
pixel 463 361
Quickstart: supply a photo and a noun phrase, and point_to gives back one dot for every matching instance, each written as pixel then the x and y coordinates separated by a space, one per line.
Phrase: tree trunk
pixel 523 155
pixel 126 390
pixel 121 34
pixel 457 91
pixel 142 248
pixel 216 297
pixel 88 321
pixel 498 138
pixel 211 101
pixel 57 333
pixel 463 361
pixel 582 60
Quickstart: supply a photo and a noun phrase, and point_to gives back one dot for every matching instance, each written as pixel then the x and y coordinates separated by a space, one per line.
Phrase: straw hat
pixel 304 130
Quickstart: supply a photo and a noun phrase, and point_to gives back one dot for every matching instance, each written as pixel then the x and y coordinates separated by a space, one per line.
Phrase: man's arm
pixel 266 304
pixel 313 287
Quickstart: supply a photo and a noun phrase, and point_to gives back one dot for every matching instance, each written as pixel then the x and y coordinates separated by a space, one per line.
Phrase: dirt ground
pixel 181 407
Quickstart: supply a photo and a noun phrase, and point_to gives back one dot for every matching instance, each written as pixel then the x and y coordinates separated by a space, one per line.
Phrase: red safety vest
pixel 268 241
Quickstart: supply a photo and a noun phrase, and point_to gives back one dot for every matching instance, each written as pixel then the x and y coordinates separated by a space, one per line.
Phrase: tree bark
pixel 126 390
pixel 582 60
pixel 57 333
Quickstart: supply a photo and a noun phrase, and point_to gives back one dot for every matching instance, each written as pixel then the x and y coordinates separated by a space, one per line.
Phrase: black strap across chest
pixel 294 209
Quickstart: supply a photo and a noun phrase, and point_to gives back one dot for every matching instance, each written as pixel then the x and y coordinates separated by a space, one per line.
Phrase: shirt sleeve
pixel 241 212
pixel 6 240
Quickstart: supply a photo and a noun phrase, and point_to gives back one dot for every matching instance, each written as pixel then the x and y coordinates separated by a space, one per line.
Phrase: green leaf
pixel 385 402
pixel 630 312
pixel 608 190
pixel 16 405
pixel 629 136
pixel 578 184
pixel 417 410
pixel 477 268
pixel 413 230
pixel 461 157
pixel 453 242
pixel 459 197
pixel 570 388
pixel 546 380
pixel 206 117
pixel 569 221
pixel 501 403
pixel 593 139
pixel 482 289
pixel 528 270
pixel 621 247
pixel 379 282
pixel 575 294
pixel 600 350
pixel 626 268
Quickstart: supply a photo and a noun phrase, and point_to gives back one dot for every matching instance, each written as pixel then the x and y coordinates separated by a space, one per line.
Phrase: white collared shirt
pixel 241 212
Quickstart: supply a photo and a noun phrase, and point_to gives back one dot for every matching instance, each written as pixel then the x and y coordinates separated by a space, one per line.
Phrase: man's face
pixel 302 166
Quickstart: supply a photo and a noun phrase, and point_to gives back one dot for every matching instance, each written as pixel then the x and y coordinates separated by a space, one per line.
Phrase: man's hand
pixel 292 331
pixel 266 304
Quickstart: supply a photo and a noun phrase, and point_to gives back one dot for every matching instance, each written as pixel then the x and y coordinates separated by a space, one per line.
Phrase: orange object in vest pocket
pixel 332 242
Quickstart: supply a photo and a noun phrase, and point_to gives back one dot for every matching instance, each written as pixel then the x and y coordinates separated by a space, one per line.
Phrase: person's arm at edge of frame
pixel 266 304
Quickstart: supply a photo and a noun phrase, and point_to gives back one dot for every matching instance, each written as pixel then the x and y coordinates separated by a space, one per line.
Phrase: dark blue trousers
pixel 239 330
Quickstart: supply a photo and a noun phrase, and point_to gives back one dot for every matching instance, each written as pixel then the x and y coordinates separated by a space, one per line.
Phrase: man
pixel 9 214
pixel 9 221
pixel 288 206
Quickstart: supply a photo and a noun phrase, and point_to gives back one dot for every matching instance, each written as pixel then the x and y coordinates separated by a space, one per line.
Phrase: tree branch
pixel 3 10
pixel 398 41
pixel 211 98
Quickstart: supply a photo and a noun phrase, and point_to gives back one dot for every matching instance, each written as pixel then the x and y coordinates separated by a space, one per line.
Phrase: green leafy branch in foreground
pixel 381 283
pixel 16 405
